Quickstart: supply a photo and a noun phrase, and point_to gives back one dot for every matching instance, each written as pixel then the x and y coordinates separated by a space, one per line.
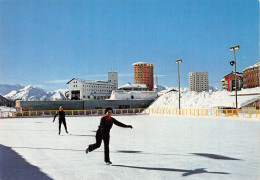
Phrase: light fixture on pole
pixel 178 62
pixel 234 48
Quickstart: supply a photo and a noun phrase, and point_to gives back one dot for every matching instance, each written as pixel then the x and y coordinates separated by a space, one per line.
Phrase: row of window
pixel 143 65
pixel 252 75
pixel 109 87
pixel 253 80
pixel 96 90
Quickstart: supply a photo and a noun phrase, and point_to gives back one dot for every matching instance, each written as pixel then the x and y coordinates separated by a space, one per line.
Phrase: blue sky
pixel 46 43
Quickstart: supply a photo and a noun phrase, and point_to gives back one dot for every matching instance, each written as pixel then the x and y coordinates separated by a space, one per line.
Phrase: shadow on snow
pixel 13 166
pixel 186 172
pixel 215 156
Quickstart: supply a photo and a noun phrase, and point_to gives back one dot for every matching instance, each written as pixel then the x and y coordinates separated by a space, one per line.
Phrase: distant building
pixel 133 95
pixel 198 81
pixel 228 81
pixel 87 89
pixel 143 74
pixel 251 76
pixel 133 87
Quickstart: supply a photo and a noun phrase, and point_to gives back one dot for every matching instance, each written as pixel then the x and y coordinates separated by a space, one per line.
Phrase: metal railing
pixel 245 113
pixel 68 112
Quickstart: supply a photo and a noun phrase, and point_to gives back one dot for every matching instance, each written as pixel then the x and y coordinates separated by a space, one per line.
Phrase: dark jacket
pixel 61 115
pixel 107 122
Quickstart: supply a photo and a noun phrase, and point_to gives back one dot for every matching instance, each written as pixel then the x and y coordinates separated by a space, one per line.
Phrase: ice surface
pixel 158 147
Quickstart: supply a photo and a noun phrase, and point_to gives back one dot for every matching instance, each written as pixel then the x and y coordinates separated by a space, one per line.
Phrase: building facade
pixel 228 81
pixel 198 81
pixel 251 76
pixel 143 74
pixel 86 89
pixel 133 95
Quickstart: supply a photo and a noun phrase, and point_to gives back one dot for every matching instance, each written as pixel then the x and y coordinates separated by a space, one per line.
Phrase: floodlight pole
pixel 234 48
pixel 178 62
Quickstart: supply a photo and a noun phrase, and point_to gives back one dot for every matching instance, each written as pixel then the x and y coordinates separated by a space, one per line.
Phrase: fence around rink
pixel 68 112
pixel 245 113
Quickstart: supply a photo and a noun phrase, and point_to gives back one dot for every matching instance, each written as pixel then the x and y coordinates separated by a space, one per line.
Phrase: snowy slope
pixel 58 94
pixel 211 99
pixel 15 92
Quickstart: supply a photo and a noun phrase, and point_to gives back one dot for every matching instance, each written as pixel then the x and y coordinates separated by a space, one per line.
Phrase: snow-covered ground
pixel 5 111
pixel 158 147
pixel 211 99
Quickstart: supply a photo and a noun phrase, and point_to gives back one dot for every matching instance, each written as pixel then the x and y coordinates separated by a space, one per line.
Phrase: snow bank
pixel 211 99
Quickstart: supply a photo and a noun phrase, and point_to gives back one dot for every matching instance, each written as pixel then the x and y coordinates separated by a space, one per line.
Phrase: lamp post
pixel 234 48
pixel 178 62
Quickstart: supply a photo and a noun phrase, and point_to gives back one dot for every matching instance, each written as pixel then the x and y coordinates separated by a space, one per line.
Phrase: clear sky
pixel 48 42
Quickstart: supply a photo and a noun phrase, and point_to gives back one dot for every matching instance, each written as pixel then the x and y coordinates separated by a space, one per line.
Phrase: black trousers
pixel 99 137
pixel 63 121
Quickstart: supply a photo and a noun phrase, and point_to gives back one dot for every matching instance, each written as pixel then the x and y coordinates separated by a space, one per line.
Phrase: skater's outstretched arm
pixel 116 122
pixel 55 116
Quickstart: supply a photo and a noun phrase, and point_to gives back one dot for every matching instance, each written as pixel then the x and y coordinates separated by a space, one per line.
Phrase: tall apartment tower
pixel 143 74
pixel 112 77
pixel 198 81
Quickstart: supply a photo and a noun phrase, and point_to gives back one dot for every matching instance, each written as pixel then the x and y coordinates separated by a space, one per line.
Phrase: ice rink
pixel 158 147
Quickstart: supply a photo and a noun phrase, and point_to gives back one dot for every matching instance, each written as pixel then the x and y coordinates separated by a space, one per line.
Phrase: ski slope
pixel 157 148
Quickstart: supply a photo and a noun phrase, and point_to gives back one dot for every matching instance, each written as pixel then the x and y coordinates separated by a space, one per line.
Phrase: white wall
pixel 127 95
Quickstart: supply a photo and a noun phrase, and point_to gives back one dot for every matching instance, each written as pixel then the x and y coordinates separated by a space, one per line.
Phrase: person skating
pixel 103 131
pixel 62 119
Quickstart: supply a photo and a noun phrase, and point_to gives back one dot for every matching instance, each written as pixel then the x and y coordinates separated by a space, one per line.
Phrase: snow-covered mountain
pixel 6 102
pixel 7 88
pixel 14 92
pixel 58 94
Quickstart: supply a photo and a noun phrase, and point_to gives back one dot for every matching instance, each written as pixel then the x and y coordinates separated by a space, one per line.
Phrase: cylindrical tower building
pixel 143 74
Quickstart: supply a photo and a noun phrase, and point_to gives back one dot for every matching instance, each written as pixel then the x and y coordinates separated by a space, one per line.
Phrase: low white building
pixel 133 87
pixel 87 89
pixel 133 95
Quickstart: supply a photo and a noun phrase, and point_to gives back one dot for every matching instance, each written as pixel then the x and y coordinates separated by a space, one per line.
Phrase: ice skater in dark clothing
pixel 62 119
pixel 106 124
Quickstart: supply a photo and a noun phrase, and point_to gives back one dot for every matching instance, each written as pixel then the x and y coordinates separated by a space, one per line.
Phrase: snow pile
pixel 30 93
pixel 211 99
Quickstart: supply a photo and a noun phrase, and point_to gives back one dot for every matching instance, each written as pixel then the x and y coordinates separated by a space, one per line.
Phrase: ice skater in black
pixel 62 119
pixel 106 124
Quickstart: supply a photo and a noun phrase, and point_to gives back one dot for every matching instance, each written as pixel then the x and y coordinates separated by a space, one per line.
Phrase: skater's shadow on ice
pixel 13 166
pixel 215 156
pixel 129 151
pixel 81 135
pixel 54 149
pixel 186 172
pixel 211 156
